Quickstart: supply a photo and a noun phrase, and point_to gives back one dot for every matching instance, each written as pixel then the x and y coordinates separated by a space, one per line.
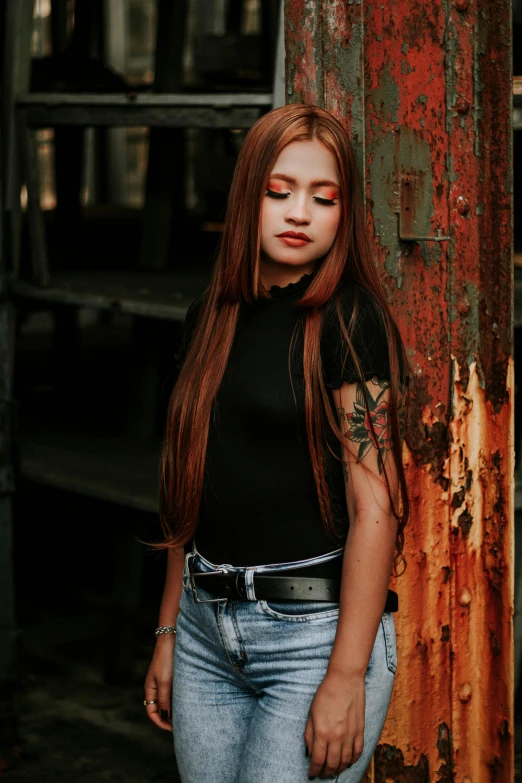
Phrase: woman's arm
pixel 169 606
pixel 369 549
pixel 335 728
pixel 158 683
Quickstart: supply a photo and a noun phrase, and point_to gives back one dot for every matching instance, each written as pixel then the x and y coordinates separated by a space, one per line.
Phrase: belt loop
pixel 249 584
pixel 186 570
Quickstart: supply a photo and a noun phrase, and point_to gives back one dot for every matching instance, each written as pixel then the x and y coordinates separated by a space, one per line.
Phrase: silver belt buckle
pixel 205 573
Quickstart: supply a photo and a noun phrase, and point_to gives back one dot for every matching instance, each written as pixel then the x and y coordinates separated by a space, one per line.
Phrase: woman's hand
pixel 158 682
pixel 334 732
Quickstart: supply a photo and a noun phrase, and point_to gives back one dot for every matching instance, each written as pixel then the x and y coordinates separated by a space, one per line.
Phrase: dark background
pixel 91 384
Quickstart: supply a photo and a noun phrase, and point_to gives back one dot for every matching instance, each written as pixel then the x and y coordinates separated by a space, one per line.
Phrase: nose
pixel 298 212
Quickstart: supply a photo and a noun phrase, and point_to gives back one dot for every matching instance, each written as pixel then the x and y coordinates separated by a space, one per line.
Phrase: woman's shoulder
pixel 367 332
pixel 350 295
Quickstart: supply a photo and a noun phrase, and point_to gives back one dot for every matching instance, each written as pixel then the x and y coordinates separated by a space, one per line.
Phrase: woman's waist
pixel 327 564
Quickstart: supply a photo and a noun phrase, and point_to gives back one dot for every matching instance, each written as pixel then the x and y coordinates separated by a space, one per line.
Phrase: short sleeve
pixel 187 331
pixel 368 338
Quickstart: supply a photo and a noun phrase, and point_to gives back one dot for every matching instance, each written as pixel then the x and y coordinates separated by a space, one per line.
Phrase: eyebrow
pixel 315 183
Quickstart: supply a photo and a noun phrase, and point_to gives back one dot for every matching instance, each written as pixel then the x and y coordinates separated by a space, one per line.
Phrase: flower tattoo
pixel 356 425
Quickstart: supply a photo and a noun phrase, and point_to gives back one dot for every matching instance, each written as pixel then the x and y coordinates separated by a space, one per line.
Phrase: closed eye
pixel 327 202
pixel 273 194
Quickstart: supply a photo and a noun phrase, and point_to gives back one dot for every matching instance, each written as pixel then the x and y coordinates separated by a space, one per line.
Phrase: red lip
pixel 295 235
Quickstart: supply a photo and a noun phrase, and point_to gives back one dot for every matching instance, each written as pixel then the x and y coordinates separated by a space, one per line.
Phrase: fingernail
pixel 164 714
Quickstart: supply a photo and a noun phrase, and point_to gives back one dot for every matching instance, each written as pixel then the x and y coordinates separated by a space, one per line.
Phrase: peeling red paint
pixel 424 90
pixel 390 765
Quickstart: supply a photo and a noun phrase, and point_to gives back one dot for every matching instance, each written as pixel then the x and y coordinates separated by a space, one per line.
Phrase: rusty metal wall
pixel 425 92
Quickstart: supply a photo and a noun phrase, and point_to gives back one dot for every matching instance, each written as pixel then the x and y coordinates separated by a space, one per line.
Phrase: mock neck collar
pixel 291 290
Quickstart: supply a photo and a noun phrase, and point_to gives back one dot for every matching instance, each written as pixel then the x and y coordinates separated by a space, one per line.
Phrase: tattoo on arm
pixel 344 424
pixel 356 427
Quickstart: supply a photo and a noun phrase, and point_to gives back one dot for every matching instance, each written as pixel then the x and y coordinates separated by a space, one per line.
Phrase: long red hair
pixel 236 279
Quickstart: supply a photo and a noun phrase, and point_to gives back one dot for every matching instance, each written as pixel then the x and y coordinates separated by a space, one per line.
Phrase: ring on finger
pixel 152 701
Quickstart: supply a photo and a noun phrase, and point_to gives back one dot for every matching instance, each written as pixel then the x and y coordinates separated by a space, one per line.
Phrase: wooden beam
pixel 170 100
pixel 116 470
pixel 16 77
pixel 138 115
pixel 164 296
pixel 164 206
pixel 58 25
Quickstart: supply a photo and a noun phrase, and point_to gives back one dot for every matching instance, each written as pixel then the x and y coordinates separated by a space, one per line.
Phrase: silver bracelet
pixel 165 629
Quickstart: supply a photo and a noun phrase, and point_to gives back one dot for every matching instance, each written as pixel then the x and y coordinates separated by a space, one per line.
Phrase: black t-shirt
pixel 259 502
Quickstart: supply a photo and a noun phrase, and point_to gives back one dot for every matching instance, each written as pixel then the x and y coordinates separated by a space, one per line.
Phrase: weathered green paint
pixel 400 150
pixel 330 77
pixel 434 104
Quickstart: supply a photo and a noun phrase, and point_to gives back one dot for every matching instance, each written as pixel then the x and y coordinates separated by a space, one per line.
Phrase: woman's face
pixel 301 209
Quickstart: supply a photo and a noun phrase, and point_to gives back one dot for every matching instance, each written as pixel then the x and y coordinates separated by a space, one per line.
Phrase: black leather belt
pixel 271 587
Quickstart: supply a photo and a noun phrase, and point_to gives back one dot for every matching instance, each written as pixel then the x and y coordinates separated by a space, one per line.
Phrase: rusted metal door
pixel 425 92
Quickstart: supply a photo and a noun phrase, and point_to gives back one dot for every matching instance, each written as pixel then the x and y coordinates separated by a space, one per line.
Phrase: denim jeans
pixel 244 676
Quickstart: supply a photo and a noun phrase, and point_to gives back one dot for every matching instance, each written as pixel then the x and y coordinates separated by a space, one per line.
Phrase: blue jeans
pixel 244 676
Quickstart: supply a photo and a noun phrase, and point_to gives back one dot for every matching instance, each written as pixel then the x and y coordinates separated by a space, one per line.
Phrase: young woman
pixel 283 497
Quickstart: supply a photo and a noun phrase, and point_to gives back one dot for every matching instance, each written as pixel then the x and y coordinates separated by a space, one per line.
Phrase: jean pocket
pixel 299 611
pixel 390 641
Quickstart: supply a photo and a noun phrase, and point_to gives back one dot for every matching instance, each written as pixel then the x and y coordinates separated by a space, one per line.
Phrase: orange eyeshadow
pixel 330 194
pixel 277 187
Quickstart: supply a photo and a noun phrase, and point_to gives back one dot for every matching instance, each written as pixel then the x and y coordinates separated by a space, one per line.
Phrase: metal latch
pixel 405 207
